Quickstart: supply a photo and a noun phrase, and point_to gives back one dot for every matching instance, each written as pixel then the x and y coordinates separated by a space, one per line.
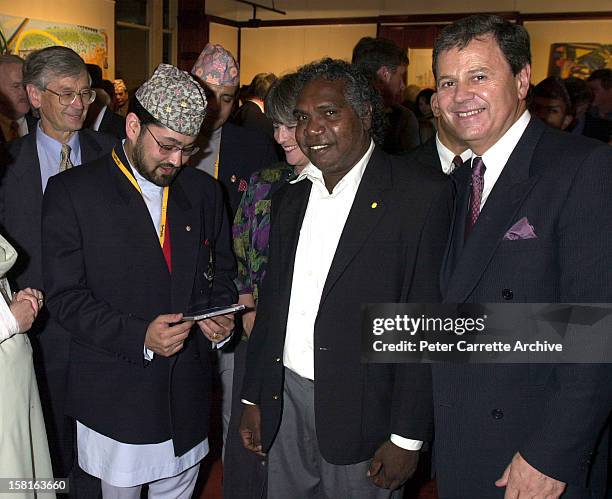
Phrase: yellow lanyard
pixel 164 209
pixel 217 166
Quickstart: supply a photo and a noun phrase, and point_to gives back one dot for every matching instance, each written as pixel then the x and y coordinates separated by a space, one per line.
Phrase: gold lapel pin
pixel 374 205
pixel 188 228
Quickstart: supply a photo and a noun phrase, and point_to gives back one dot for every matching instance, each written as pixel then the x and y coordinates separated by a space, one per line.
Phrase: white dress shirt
pixel 446 156
pixel 496 157
pixel 128 465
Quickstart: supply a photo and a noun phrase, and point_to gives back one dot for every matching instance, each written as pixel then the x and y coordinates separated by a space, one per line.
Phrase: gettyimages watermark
pixel 487 333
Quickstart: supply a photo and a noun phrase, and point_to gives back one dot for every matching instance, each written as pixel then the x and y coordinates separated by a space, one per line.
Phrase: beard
pixel 152 174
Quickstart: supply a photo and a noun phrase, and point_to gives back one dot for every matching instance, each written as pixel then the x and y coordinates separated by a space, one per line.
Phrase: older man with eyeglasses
pixel 58 87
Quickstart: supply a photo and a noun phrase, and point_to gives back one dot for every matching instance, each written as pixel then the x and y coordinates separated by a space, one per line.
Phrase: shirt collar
pixel 352 178
pixel 498 154
pixel 447 156
pixel 55 146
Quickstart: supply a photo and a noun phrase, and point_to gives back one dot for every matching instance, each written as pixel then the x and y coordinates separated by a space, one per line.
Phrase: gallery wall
pixel 99 14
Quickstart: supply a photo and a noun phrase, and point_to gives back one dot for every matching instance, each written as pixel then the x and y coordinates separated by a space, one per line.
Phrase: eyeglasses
pixel 171 149
pixel 67 98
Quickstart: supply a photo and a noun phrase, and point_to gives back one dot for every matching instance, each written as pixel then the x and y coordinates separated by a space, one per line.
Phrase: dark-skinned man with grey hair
pixel 356 226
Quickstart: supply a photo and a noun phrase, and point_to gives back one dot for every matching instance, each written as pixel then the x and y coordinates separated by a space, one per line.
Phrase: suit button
pixel 275 397
pixel 277 359
pixel 508 294
pixel 497 414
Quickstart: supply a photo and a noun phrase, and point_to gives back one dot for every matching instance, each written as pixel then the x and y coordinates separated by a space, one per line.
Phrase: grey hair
pixel 52 62
pixel 358 91
pixel 280 101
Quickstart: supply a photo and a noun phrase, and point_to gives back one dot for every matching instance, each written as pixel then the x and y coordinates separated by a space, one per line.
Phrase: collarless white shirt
pixel 446 156
pixel 128 465
pixel 496 157
pixel 322 227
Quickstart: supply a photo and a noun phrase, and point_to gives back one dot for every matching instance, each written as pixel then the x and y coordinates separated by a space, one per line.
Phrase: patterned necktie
pixel 478 171
pixel 13 130
pixel 65 163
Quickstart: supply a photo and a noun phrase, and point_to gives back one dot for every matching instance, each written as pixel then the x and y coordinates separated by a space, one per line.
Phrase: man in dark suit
pixel 228 152
pixel 62 99
pixel 357 226
pixel 386 64
pixel 130 243
pixel 445 151
pixel 251 113
pixel 520 430
pixel 15 118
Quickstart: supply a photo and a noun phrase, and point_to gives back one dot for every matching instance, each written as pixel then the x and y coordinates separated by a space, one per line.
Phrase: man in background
pixel 600 82
pixel 251 113
pixel 122 97
pixel 550 101
pixel 445 151
pixel 15 120
pixel 585 123
pixel 386 65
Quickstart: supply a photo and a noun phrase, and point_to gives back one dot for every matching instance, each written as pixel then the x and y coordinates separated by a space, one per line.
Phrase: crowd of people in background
pixel 300 196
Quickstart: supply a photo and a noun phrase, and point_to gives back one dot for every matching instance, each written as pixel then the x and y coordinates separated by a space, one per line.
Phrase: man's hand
pixel 164 339
pixel 250 429
pixel 523 481
pixel 392 465
pixel 217 328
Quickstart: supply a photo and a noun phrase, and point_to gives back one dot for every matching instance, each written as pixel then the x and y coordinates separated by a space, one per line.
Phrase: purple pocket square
pixel 520 230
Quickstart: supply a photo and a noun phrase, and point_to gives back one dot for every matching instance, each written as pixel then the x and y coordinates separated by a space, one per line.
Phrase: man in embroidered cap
pixel 130 243
pixel 231 154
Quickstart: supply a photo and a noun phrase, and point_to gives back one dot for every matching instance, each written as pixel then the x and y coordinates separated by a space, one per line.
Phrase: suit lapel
pixel 498 214
pixel 367 210
pixel 290 218
pixel 90 150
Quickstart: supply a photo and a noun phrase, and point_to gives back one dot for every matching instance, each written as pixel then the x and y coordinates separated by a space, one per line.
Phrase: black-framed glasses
pixel 171 149
pixel 67 98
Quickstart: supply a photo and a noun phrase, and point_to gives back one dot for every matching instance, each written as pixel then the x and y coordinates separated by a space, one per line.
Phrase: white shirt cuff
pixel 406 443
pixel 217 346
pixel 246 402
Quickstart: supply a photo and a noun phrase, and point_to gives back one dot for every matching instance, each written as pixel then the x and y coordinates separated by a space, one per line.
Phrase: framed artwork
pixel 578 59
pixel 22 35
